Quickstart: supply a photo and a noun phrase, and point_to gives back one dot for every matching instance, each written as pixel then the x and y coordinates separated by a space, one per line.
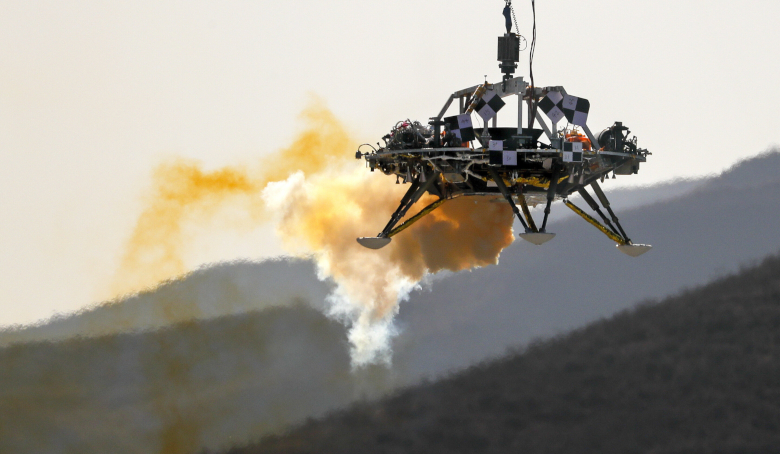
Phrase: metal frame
pixel 441 158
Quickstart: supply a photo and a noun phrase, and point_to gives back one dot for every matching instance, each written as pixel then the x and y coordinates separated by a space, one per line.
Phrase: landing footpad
pixel 373 242
pixel 634 250
pixel 537 238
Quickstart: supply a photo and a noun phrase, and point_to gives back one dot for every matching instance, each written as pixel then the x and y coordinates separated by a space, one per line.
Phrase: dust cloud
pixel 319 198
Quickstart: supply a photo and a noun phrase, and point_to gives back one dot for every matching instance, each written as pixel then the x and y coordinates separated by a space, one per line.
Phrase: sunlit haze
pixel 95 95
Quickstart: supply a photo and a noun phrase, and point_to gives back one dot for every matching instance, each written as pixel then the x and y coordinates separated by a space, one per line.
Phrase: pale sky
pixel 93 94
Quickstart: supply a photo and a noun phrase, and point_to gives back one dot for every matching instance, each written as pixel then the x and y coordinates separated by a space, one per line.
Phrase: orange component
pixel 575 136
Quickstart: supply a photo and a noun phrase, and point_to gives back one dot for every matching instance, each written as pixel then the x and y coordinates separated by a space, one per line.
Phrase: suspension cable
pixel 532 94
pixel 517 26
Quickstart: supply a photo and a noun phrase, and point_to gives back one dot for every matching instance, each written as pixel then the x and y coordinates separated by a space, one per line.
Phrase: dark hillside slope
pixel 184 380
pixel 698 372
pixel 579 277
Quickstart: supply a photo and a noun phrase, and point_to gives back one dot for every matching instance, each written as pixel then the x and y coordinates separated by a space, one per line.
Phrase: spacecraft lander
pixel 452 157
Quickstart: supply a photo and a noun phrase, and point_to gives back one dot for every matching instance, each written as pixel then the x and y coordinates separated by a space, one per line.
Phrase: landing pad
pixel 537 238
pixel 374 242
pixel 634 250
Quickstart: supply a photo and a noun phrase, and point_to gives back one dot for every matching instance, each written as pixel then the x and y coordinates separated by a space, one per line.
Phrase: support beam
pixel 605 203
pixel 593 141
pixel 404 201
pixel 550 194
pixel 409 199
pixel 446 106
pixel 408 223
pixel 502 187
pixel 519 109
pixel 547 131
pixel 595 207
pixel 527 212
pixel 595 223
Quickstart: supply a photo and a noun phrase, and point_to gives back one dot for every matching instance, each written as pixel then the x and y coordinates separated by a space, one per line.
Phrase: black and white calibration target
pixel 576 110
pixel 461 126
pixel 508 157
pixel 572 152
pixel 489 105
pixel 552 106
pixel 557 107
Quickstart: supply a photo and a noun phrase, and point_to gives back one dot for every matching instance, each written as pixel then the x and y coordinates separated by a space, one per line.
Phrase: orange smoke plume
pixel 320 199
pixel 184 194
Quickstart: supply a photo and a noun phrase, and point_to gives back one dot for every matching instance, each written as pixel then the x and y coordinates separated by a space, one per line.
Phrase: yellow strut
pixel 408 223
pixel 595 223
pixel 478 93
pixel 539 182
pixel 526 211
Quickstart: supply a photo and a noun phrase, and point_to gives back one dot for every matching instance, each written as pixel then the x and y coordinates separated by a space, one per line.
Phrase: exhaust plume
pixel 320 199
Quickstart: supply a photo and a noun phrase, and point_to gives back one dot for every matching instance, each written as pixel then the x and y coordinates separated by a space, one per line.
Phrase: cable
pixel 532 94
pixel 517 26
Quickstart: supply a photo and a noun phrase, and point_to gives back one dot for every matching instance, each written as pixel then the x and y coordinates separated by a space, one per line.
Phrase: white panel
pixel 570 102
pixel 555 115
pixel 580 118
pixel 555 97
pixel 464 121
pixel 486 113
pixel 510 158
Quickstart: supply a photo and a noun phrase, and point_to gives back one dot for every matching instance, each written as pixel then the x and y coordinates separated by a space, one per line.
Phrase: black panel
pixel 512 143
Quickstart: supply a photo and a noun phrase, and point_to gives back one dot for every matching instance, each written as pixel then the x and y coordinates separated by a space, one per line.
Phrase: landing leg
pixel 603 199
pixel 527 212
pixel 413 194
pixel 404 202
pixel 502 187
pixel 531 234
pixel 550 195
pixel 595 207
pixel 625 246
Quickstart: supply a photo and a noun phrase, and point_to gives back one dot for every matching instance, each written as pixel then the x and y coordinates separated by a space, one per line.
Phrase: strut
pixel 408 223
pixel 550 195
pixel 603 199
pixel 410 198
pixel 527 212
pixel 614 237
pixel 595 207
pixel 502 187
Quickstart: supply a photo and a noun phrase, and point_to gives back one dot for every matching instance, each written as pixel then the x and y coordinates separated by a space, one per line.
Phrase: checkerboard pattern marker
pixel 489 105
pixel 576 109
pixel 552 106
pixel 572 151
pixel 461 126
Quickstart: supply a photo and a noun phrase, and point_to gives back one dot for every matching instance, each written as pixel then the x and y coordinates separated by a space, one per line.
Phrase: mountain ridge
pixel 160 382
pixel 697 372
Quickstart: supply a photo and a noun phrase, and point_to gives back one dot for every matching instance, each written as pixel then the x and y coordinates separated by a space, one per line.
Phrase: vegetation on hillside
pixel 697 372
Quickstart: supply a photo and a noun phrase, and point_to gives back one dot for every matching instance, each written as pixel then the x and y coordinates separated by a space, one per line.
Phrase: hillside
pixel 239 287
pixel 579 277
pixel 697 372
pixel 240 350
pixel 174 390
pixel 219 290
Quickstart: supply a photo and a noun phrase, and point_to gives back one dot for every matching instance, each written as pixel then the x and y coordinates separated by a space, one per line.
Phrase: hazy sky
pixel 94 93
